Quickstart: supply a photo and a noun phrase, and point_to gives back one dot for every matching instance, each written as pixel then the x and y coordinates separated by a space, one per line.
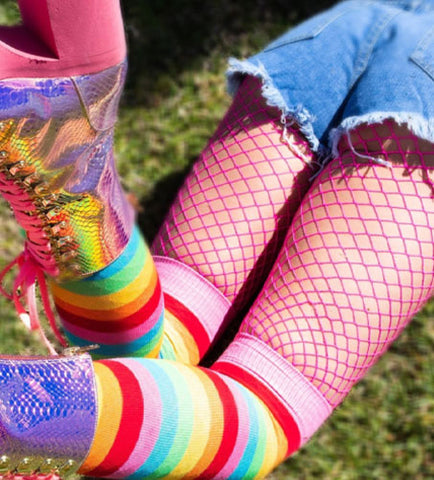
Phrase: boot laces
pixel 23 296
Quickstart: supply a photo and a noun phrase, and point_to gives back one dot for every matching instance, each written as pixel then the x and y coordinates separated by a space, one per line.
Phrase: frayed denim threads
pixel 362 61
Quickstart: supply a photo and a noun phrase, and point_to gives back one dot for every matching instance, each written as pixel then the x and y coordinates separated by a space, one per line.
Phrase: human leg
pixel 230 217
pixel 179 421
pixel 142 418
pixel 326 313
pixel 225 358
pixel 355 268
pixel 227 222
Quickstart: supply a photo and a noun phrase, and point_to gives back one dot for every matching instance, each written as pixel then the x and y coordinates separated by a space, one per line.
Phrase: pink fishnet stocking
pixel 357 263
pixel 232 213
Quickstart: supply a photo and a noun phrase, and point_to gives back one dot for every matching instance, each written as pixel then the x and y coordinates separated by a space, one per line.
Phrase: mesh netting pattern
pixel 231 215
pixel 357 263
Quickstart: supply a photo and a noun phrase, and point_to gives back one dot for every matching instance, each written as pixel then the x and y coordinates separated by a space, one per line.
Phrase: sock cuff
pixel 193 291
pixel 295 394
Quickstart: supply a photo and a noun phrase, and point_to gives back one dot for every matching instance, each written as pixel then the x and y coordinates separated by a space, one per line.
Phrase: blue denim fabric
pixel 360 62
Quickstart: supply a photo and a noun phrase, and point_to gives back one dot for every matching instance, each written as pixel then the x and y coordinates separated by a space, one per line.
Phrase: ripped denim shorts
pixel 360 62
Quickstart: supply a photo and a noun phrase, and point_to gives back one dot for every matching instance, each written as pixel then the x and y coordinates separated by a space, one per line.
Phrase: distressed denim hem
pixel 297 113
pixel 417 124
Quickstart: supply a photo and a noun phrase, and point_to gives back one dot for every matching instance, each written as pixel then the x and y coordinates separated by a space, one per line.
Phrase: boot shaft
pixel 56 150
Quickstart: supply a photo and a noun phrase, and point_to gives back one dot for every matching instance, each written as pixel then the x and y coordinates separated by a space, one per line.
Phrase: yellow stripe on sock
pixel 110 403
pixel 107 302
pixel 183 344
pixel 213 442
pixel 113 312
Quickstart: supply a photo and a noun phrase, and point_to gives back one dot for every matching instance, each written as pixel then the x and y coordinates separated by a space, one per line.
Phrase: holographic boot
pixel 59 95
pixel 57 169
pixel 47 415
pixel 61 77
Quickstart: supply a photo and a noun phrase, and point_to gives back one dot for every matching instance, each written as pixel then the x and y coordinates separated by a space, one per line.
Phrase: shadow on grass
pixel 165 38
pixel 155 207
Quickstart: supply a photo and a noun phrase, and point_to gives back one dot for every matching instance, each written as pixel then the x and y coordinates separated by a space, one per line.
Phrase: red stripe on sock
pixel 281 414
pixel 190 321
pixel 114 326
pixel 131 421
pixel 230 423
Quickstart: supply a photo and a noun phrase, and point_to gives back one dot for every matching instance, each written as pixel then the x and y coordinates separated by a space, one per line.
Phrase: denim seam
pixel 365 53
pixel 418 56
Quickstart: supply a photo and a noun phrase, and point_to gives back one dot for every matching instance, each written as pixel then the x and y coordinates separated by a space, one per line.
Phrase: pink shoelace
pixel 24 296
pixel 36 258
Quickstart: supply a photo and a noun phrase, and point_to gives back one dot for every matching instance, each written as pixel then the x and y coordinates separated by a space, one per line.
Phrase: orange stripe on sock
pixel 105 302
pixel 118 312
pixel 125 323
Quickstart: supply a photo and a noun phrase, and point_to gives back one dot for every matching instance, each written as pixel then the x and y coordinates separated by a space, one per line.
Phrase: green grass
pixel 174 99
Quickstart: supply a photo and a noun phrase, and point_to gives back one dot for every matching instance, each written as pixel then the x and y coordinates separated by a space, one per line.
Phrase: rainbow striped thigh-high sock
pixel 136 418
pixel 159 418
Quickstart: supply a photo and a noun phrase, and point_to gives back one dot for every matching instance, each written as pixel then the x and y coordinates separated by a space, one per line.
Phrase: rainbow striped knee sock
pixel 120 308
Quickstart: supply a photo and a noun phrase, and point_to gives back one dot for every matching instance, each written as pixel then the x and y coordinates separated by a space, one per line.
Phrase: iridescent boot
pixel 57 169
pixel 61 77
pixel 47 415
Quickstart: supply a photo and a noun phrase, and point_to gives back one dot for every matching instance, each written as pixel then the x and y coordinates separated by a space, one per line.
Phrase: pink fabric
pixel 231 215
pixel 357 263
pixel 152 407
pixel 62 38
pixel 116 338
pixel 306 405
pixel 184 284
pixel 242 435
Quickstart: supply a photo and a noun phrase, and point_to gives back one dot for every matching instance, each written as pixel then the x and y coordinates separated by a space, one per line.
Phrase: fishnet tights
pixel 357 263
pixel 232 213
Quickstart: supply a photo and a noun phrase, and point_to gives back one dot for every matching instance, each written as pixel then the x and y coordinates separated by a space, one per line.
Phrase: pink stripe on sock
pixel 115 338
pixel 152 408
pixel 303 401
pixel 200 296
pixel 242 436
